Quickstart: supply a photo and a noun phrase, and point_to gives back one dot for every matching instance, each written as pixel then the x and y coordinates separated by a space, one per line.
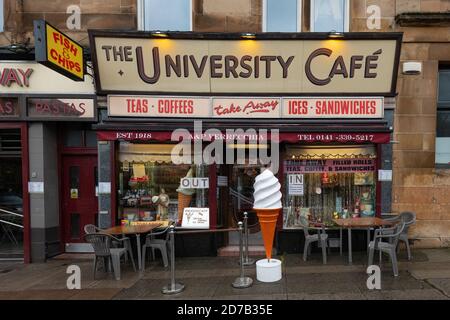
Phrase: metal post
pixel 247 261
pixel 242 281
pixel 173 287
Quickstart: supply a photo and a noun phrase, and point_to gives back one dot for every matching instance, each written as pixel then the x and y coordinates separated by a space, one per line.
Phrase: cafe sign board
pixel 245 107
pixel 282 64
pixel 9 108
pixel 152 106
pixel 29 77
pixel 57 51
pixel 336 107
pixel 54 109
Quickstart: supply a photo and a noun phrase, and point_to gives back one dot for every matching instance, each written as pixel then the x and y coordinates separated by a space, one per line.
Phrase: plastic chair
pixel 159 244
pixel 101 244
pixel 310 238
pixel 409 218
pixel 90 229
pixel 389 246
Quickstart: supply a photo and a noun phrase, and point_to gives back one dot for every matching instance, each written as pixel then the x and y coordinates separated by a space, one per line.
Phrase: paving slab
pixel 95 294
pixel 415 294
pixel 431 274
pixel 443 285
pixel 330 296
pixel 427 276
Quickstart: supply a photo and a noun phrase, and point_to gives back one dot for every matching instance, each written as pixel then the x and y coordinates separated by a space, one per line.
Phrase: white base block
pixel 268 271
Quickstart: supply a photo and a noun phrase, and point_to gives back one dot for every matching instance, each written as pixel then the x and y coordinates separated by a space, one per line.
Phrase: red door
pixel 80 205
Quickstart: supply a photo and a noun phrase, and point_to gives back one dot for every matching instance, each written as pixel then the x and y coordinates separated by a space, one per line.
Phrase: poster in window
pixel 195 218
pixel 363 178
pixel 138 170
pixel 305 212
pixel 126 166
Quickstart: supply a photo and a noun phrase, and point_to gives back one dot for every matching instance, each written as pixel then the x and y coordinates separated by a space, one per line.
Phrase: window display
pixel 328 183
pixel 149 184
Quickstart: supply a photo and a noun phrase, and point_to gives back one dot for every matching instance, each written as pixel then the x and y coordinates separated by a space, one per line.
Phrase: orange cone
pixel 268 221
pixel 183 202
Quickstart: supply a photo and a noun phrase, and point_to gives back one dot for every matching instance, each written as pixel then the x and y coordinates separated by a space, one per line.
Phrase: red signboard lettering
pixel 9 107
pixel 82 109
pixel 21 77
pixel 338 165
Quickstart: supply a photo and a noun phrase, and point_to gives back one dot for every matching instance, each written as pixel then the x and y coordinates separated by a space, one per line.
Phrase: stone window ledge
pixel 423 19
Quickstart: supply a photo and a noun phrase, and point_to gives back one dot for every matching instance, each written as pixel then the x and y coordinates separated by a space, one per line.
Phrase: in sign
pixel 295 179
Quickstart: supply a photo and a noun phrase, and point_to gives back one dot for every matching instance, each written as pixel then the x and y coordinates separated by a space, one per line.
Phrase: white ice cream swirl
pixel 267 192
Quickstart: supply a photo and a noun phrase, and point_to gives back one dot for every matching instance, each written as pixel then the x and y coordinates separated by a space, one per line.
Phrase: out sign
pixel 194 183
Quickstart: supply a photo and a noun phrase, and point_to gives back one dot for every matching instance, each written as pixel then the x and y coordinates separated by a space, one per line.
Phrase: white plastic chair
pixel 389 246
pixel 90 229
pixel 159 244
pixel 409 218
pixel 101 244
pixel 321 236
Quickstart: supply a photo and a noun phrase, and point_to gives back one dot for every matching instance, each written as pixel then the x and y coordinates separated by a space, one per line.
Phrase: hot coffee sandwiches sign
pixel 289 64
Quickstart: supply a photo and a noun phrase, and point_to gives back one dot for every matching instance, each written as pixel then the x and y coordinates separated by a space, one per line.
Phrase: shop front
pixel 192 118
pixel 41 115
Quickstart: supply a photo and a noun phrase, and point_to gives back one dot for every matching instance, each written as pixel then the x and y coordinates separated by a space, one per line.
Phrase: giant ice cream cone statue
pixel 267 205
pixel 184 197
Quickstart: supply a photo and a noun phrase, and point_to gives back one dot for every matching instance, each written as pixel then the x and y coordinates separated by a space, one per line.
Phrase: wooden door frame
pixel 65 152
pixel 63 218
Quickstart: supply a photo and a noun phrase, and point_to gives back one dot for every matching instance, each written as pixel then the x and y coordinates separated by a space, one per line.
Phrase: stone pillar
pixel 104 176
pixel 44 207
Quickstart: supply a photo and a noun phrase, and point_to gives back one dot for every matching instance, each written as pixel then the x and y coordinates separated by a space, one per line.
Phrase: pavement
pixel 427 277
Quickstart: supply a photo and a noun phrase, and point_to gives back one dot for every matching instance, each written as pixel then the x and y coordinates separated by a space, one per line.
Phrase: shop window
pixel 10 142
pixel 91 139
pixel 322 183
pixel 1 15
pixel 75 226
pixel 166 15
pixel 11 196
pixel 79 138
pixel 74 178
pixel 282 15
pixel 96 181
pixel 73 138
pixel 330 15
pixel 443 120
pixel 149 184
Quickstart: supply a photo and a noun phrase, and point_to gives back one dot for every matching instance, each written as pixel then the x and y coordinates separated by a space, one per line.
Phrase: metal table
pixel 136 230
pixel 360 223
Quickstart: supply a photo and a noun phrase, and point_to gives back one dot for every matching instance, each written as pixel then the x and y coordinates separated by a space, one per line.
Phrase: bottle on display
pixel 357 207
